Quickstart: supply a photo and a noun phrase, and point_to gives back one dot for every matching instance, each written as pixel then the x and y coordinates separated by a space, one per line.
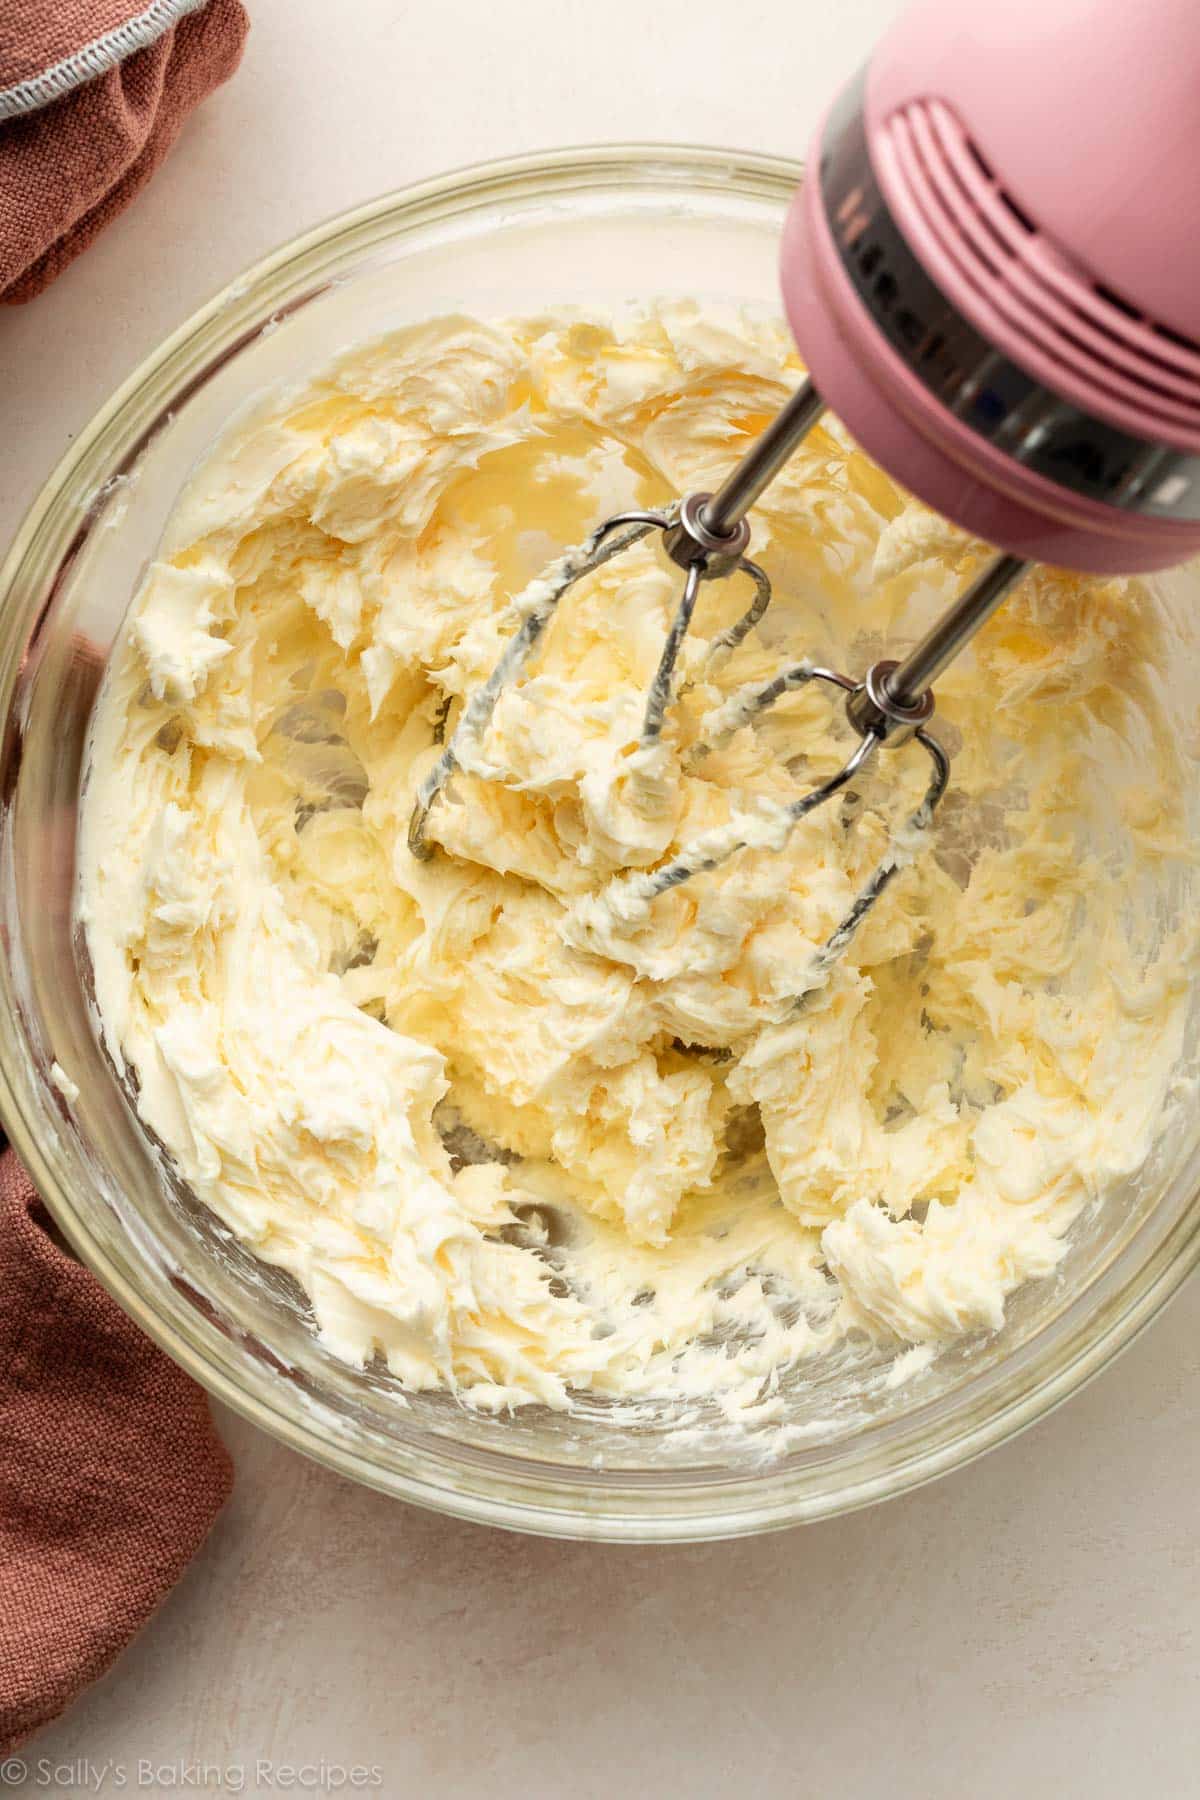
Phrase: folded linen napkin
pixel 92 96
pixel 111 1471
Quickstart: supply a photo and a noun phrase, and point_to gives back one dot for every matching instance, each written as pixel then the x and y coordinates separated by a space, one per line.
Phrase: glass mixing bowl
pixel 609 225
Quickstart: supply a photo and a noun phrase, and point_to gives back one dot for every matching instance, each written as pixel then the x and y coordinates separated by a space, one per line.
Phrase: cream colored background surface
pixel 1025 1627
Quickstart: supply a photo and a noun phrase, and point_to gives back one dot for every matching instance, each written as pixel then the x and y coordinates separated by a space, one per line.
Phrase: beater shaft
pixel 954 630
pixel 762 462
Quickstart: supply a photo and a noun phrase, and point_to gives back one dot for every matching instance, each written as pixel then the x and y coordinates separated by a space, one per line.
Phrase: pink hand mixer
pixel 993 273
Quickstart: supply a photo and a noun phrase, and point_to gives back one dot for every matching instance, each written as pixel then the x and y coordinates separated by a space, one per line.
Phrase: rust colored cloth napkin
pixel 92 96
pixel 111 1471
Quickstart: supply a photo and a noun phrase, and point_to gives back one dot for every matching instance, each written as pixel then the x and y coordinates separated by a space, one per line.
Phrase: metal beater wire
pixel 706 535
pixel 538 605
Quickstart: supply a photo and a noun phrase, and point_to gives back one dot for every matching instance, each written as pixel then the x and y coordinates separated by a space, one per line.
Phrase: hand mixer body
pixel 993 272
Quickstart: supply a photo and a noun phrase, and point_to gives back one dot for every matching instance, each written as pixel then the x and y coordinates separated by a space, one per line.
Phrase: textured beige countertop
pixel 1026 1627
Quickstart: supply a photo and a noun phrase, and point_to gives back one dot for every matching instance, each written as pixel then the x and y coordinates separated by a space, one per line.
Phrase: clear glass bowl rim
pixel 619 1508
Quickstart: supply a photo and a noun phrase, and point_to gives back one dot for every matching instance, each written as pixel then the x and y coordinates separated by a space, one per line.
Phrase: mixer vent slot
pixel 953 206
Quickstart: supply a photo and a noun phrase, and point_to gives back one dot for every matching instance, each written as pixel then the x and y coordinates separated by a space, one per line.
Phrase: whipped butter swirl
pixel 518 1140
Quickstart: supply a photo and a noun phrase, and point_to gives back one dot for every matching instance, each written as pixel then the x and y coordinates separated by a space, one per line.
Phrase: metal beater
pixel 708 536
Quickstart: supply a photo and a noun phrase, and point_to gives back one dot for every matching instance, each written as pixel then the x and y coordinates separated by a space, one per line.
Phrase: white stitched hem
pixel 96 58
